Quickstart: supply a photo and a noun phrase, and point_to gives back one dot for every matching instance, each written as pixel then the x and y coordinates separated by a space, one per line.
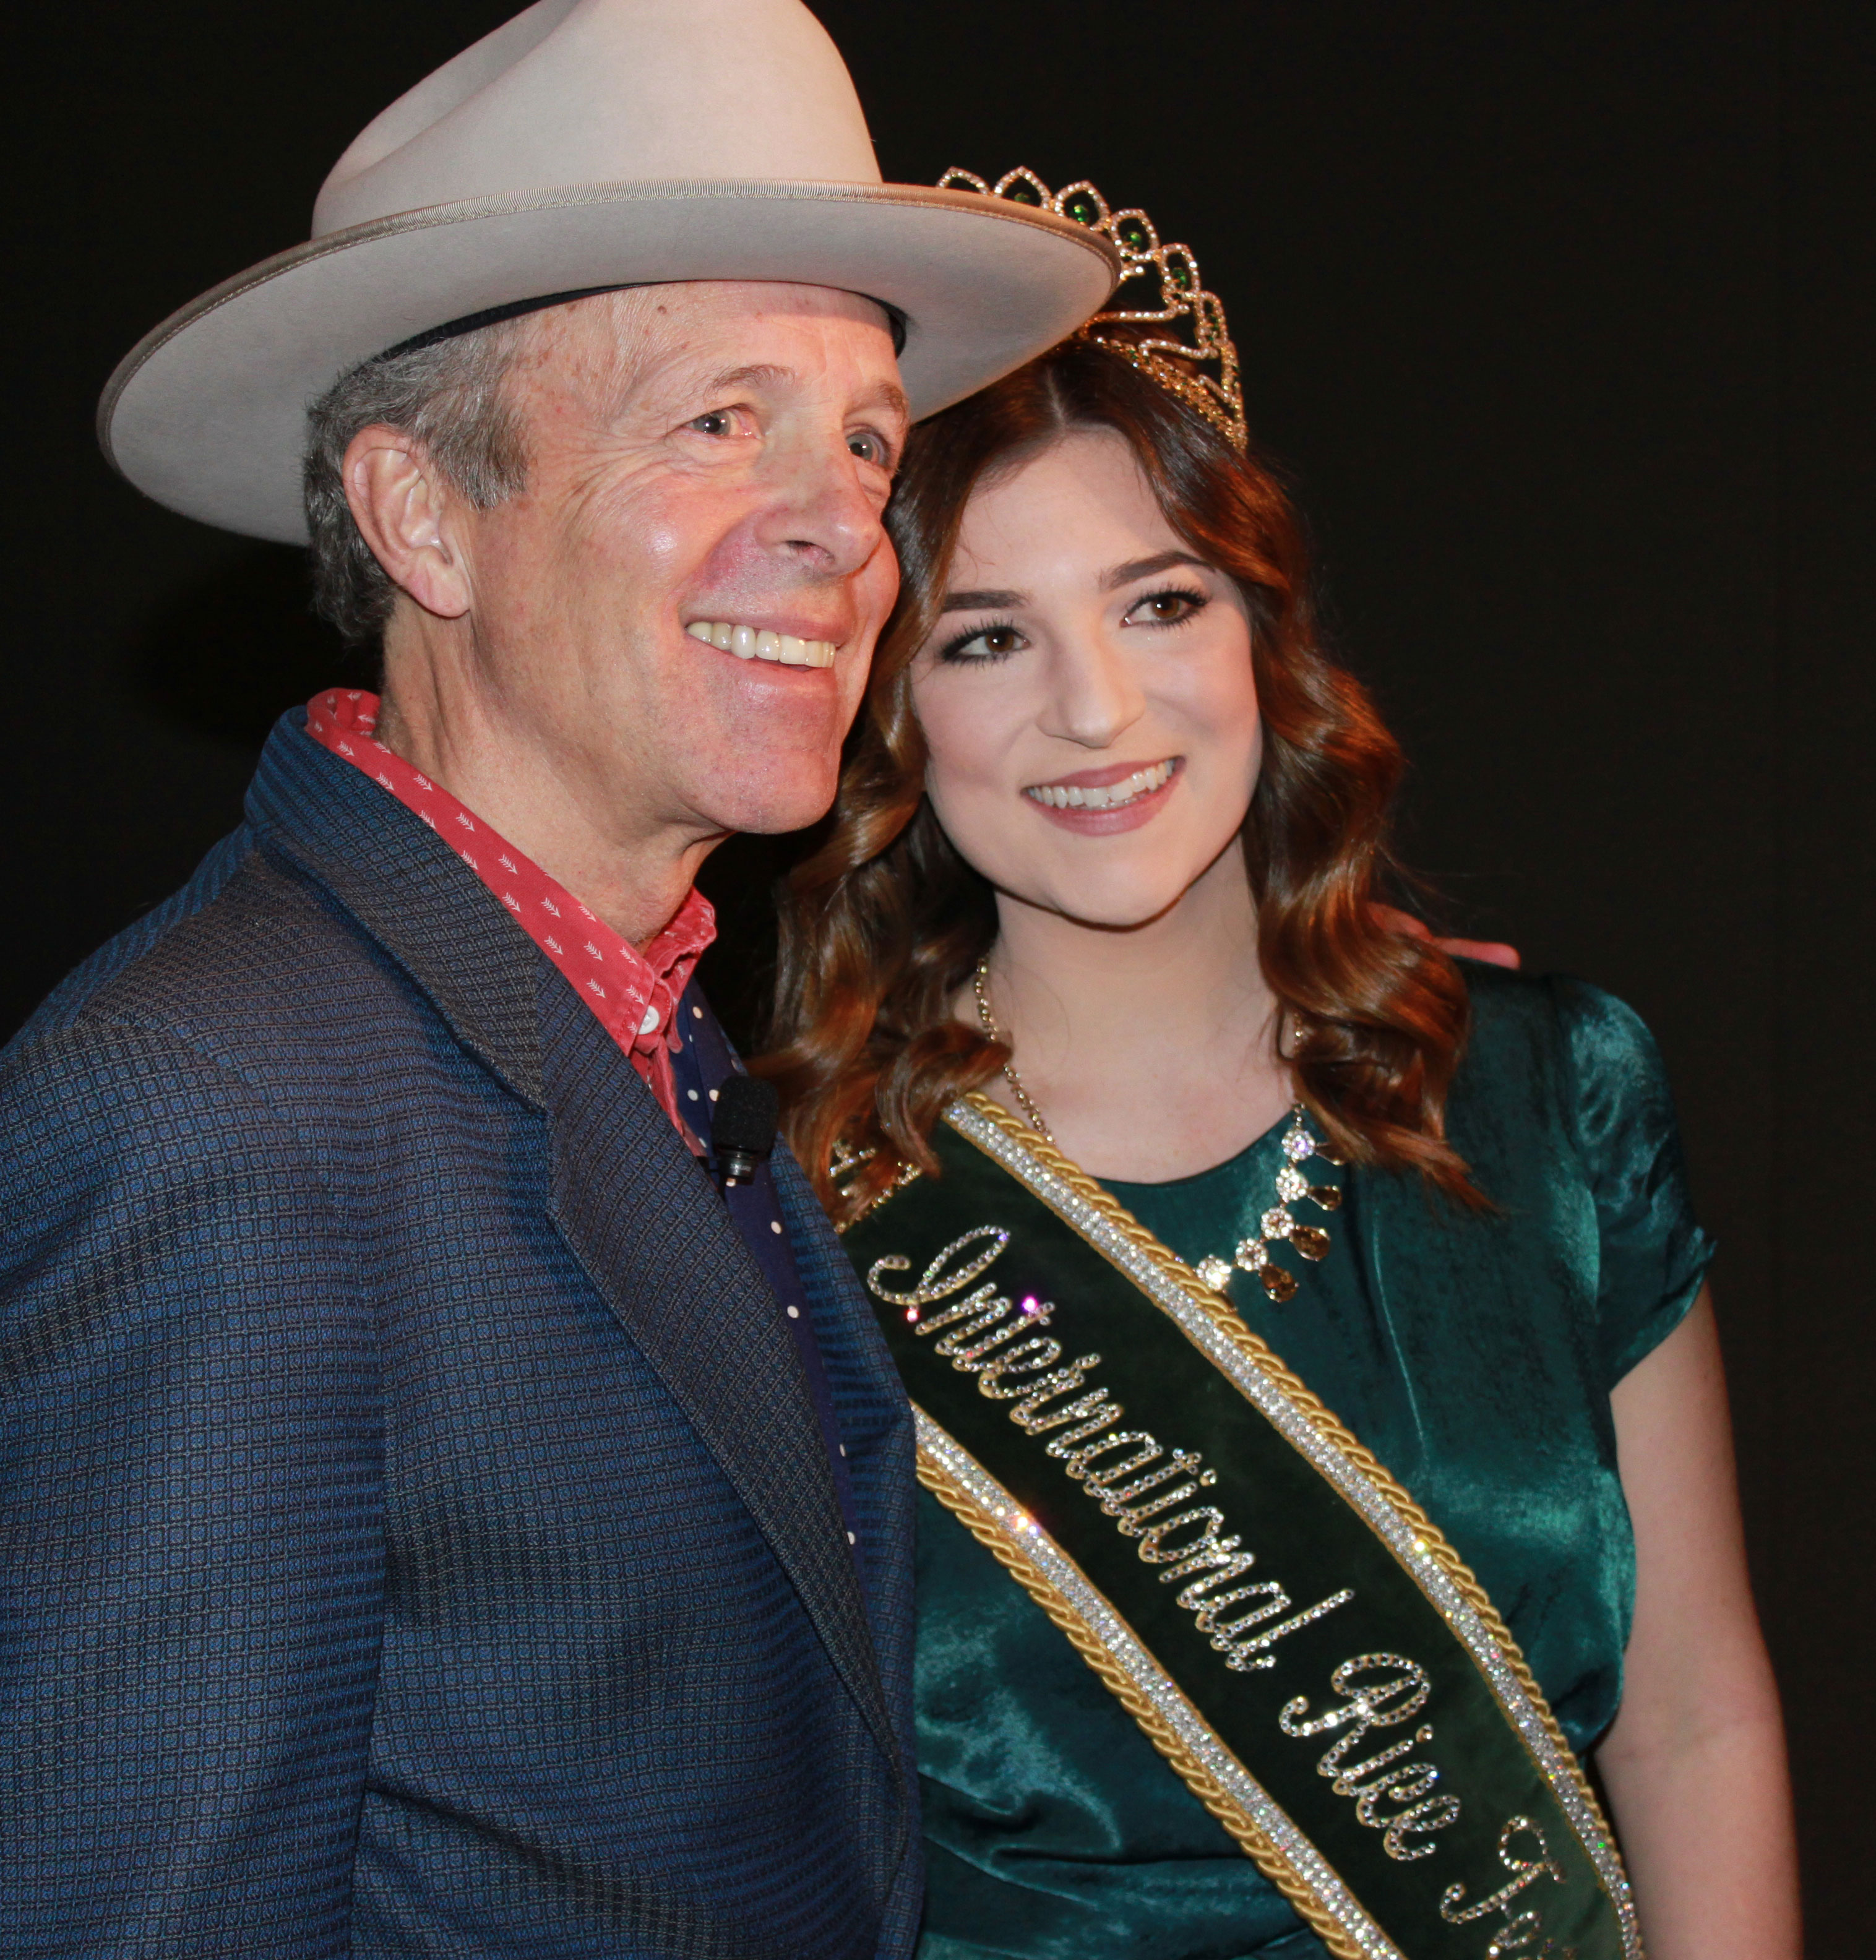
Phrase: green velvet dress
pixel 1474 1355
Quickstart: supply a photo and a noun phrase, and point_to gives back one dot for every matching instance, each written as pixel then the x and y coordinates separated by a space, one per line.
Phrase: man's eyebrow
pixel 1149 568
pixel 762 373
pixel 888 395
pixel 990 600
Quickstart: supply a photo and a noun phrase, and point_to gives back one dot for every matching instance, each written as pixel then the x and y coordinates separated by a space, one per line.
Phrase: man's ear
pixel 404 509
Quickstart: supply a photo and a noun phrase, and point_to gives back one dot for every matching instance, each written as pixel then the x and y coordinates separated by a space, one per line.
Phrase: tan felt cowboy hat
pixel 587 144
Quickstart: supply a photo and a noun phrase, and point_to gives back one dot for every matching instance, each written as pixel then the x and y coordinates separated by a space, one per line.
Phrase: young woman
pixel 1155 1145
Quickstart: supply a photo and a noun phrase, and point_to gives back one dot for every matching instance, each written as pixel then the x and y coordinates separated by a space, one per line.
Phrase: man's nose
pixel 1092 696
pixel 821 513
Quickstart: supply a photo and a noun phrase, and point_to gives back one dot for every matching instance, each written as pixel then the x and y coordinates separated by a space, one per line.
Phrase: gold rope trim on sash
pixel 1265 1853
pixel 1225 1317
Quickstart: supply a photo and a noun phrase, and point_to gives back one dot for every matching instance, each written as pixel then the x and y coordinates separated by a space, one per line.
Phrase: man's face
pixel 700 456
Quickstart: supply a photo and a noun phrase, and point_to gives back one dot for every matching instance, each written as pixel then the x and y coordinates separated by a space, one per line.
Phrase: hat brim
pixel 207 414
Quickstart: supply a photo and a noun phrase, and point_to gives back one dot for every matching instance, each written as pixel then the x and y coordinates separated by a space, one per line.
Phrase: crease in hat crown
pixel 593 91
pixel 585 143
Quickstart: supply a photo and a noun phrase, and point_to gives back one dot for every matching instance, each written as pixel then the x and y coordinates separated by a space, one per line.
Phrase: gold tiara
pixel 1197 361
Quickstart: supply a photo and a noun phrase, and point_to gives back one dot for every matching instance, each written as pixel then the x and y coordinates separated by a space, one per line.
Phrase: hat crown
pixel 608 91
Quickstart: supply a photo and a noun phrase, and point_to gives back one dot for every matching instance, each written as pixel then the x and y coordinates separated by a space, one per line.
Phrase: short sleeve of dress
pixel 1654 1254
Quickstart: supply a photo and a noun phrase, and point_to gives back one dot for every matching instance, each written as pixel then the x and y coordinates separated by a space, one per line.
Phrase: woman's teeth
pixel 1142 782
pixel 748 643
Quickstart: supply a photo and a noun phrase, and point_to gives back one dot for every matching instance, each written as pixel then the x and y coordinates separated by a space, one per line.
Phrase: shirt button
pixel 696 1013
pixel 691 1094
pixel 851 1539
pixel 843 1449
pixel 650 1022
pixel 795 1313
pixel 774 1224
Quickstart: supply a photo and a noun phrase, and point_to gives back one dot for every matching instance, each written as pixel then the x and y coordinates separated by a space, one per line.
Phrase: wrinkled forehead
pixel 635 339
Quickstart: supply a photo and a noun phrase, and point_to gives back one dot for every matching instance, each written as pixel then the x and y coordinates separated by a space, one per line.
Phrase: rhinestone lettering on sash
pixel 1144 1487
pixel 1148 1490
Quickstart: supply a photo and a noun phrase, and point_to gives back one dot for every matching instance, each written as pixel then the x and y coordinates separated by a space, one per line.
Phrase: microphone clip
pixel 742 1127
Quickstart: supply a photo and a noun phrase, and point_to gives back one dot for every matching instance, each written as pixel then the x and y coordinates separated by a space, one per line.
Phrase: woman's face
pixel 1088 697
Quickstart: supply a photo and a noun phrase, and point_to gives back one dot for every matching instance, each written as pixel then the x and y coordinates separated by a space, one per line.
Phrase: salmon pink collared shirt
pixel 634 994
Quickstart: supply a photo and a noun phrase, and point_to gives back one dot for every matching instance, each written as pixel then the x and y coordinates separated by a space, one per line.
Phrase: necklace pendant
pixel 1278 1225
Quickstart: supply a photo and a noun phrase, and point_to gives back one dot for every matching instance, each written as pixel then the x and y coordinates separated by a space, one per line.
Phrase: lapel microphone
pixel 742 1127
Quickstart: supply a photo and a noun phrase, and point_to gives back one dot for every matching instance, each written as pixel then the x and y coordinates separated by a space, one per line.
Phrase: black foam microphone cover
pixel 743 1126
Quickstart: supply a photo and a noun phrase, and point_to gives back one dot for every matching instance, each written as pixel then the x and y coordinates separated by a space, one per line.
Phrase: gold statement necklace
pixel 1277 1226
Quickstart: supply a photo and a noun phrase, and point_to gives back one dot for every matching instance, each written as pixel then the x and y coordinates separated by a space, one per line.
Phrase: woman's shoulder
pixel 1562 1096
pixel 1554 1037
pixel 1563 1074
pixel 1513 1006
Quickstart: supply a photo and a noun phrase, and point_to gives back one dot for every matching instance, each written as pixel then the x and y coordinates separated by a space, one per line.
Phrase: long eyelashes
pixel 989 629
pixel 1194 603
pixel 1191 603
pixel 957 650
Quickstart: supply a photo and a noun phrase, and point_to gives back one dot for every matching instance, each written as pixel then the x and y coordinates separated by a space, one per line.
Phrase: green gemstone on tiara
pixel 1187 347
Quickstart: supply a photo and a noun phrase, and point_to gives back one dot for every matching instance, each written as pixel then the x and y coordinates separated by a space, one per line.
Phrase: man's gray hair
pixel 452 397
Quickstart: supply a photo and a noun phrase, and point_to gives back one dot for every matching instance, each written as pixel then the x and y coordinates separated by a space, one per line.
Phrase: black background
pixel 1560 316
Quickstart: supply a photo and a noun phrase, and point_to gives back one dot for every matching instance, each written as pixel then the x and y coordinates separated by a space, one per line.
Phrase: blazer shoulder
pixel 251 966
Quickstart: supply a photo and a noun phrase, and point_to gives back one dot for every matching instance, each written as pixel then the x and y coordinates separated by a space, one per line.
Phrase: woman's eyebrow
pixel 990 600
pixel 1150 567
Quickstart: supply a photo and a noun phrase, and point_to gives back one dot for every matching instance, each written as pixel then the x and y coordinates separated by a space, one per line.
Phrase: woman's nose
pixel 1092 696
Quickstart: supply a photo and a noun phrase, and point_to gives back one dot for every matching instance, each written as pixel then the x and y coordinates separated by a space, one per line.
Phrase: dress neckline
pixel 1229 1169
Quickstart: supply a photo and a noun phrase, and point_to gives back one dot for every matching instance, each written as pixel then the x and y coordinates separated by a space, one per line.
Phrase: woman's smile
pixel 1097 803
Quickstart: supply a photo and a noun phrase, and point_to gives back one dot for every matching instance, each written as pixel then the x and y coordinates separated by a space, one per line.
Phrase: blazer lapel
pixel 631 1201
pixel 643 1219
pixel 411 893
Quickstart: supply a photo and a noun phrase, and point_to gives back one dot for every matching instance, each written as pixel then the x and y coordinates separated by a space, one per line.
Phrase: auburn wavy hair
pixel 883 924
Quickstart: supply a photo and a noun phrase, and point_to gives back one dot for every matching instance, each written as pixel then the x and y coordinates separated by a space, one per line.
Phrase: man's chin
pixel 774 803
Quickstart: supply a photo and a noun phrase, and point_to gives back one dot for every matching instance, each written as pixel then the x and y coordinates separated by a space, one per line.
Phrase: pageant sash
pixel 1287 1627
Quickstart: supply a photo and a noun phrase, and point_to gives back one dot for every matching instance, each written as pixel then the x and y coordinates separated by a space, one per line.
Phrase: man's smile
pixel 760 643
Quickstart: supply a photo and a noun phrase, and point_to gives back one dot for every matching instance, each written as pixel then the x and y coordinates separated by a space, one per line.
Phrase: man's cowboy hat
pixel 587 144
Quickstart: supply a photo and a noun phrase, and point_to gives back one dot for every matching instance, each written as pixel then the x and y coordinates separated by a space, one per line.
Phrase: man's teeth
pixel 748 642
pixel 1142 782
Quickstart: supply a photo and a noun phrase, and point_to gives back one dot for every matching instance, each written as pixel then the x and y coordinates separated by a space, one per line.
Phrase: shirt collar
pixel 633 993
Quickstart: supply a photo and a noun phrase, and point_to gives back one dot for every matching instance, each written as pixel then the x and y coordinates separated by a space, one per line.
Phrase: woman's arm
pixel 1695 1763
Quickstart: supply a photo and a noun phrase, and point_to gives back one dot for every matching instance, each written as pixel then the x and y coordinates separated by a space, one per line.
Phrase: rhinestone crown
pixel 1195 360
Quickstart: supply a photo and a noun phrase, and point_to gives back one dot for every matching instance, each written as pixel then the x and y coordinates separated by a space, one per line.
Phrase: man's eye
pixel 719 422
pixel 1166 608
pixel 871 448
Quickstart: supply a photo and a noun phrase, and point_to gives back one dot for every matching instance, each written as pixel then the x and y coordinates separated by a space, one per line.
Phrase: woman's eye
pixel 987 643
pixel 1166 608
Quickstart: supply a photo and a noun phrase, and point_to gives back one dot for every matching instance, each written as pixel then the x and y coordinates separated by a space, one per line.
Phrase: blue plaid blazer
pixel 416 1537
